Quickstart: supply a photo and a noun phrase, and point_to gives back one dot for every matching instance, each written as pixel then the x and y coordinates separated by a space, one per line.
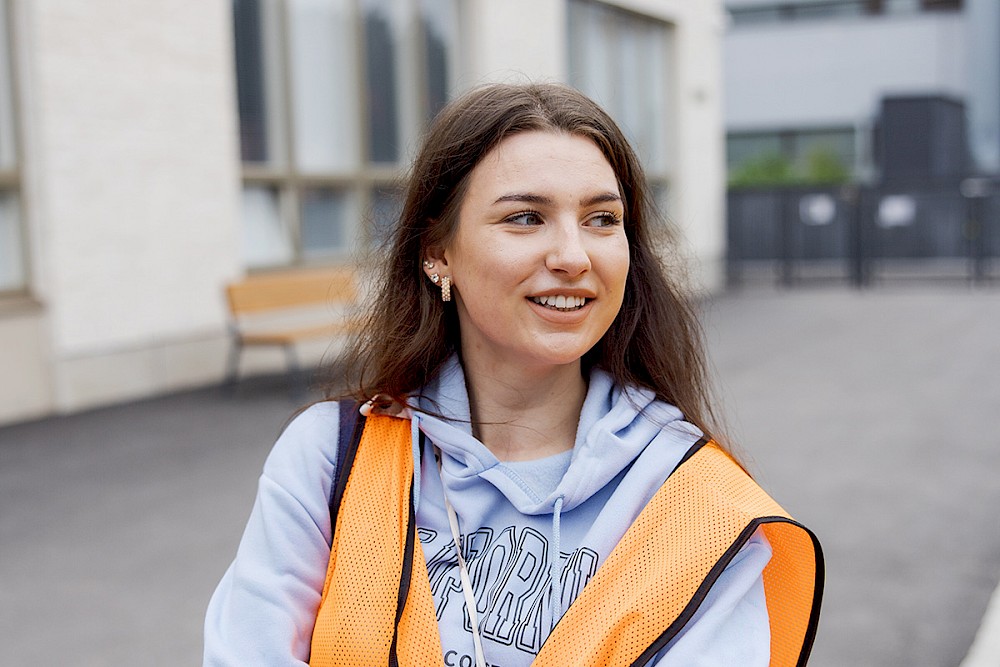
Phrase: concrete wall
pixel 131 182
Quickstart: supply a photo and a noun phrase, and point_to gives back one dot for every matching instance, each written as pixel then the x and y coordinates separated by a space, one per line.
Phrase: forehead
pixel 544 158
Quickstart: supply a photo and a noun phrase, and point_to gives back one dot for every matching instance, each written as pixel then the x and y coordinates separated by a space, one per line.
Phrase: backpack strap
pixel 352 425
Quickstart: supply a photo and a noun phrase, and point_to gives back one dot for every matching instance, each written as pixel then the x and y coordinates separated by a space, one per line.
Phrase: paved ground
pixel 873 417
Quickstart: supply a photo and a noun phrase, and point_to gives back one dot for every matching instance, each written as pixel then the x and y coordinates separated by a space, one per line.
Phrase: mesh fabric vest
pixel 377 608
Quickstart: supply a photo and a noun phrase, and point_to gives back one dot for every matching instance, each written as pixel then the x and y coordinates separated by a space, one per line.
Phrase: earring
pixel 446 288
pixel 435 278
pixel 428 264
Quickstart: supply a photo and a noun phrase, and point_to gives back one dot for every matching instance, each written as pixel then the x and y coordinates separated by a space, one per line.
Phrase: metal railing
pixel 864 234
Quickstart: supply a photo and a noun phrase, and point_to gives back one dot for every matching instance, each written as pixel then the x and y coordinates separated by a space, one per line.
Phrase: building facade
pixel 808 75
pixel 151 152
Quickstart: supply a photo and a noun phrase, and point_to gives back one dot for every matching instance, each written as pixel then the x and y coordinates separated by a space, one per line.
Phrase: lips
pixel 561 302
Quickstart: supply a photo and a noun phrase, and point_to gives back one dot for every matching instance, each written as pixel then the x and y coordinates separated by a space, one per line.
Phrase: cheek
pixel 495 267
pixel 616 267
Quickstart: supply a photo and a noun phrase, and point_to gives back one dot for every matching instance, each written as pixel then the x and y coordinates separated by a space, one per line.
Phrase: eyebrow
pixel 529 198
pixel 603 198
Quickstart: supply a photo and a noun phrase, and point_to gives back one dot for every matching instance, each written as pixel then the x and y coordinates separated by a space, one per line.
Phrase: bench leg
pixel 233 367
pixel 297 380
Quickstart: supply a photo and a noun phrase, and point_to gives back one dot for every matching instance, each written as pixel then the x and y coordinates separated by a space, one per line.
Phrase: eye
pixel 525 218
pixel 604 219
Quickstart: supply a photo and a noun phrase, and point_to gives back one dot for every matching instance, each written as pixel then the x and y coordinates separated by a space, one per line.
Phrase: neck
pixel 526 413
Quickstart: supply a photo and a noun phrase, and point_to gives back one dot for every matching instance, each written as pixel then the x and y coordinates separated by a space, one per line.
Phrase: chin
pixel 561 357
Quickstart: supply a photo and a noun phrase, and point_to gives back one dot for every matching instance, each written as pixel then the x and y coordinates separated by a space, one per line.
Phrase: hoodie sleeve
pixel 263 611
pixel 731 627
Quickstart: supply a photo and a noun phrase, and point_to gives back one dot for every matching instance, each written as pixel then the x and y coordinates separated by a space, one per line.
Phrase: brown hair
pixel 408 333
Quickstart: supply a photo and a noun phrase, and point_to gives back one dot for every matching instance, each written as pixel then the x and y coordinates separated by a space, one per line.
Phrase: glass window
pixel 387 204
pixel 829 10
pixel 620 60
pixel 741 148
pixel 327 222
pixel 836 143
pixel 13 269
pixel 439 29
pixel 808 155
pixel 266 240
pixel 755 15
pixel 382 41
pixel 258 80
pixel 323 67
pixel 900 6
pixel 941 4
pixel 833 9
pixel 331 96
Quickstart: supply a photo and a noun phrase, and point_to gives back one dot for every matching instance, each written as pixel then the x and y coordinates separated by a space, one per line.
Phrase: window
pixel 332 96
pixel 828 9
pixel 13 264
pixel 620 60
pixel 808 155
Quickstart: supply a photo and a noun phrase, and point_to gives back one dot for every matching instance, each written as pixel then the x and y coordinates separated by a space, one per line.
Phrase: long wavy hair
pixel 408 333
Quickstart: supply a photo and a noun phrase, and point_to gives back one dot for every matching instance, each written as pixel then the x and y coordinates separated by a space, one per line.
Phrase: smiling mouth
pixel 562 303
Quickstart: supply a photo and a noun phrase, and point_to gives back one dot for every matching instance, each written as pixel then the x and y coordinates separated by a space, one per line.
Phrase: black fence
pixel 864 234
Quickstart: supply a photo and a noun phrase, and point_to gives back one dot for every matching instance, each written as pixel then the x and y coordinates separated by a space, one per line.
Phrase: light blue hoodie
pixel 519 523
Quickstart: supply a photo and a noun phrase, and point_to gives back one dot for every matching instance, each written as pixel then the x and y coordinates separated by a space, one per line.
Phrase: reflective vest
pixel 377 609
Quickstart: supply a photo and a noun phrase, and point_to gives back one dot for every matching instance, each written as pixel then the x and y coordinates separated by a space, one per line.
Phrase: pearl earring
pixel 446 288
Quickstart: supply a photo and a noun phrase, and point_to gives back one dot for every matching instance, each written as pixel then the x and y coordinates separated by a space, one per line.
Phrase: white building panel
pixel 834 72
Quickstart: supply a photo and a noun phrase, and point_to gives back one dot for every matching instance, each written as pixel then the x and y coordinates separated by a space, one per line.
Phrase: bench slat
pixel 277 291
pixel 289 336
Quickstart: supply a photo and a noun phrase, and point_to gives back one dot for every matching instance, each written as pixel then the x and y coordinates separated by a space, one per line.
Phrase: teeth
pixel 560 302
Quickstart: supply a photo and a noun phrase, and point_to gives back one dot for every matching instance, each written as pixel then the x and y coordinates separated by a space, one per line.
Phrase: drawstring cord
pixel 470 600
pixel 416 440
pixel 555 590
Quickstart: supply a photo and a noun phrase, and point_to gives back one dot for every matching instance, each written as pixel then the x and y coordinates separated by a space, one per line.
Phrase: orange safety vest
pixel 377 608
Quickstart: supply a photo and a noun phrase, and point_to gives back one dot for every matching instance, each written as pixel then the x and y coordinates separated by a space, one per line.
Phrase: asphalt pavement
pixel 873 417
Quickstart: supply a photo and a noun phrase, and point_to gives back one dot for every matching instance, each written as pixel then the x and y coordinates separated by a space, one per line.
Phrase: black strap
pixel 352 425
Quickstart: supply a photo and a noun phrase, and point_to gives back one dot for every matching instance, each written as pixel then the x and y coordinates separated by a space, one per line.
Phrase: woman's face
pixel 540 257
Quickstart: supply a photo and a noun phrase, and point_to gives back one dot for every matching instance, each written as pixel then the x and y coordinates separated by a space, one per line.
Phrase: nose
pixel 568 253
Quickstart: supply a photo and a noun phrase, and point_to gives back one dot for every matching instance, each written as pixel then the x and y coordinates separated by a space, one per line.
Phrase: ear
pixel 435 262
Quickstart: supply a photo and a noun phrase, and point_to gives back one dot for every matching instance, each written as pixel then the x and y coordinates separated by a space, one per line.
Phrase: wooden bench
pixel 283 309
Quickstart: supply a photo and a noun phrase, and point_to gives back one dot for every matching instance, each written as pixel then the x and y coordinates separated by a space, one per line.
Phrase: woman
pixel 535 421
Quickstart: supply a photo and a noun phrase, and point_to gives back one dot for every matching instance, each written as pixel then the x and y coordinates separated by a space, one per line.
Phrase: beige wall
pixel 131 184
pixel 25 380
pixel 511 41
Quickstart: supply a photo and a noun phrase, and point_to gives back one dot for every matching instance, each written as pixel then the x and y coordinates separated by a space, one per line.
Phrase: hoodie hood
pixel 616 425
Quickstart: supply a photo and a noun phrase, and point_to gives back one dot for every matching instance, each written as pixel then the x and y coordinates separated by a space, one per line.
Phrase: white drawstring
pixel 415 441
pixel 555 587
pixel 470 600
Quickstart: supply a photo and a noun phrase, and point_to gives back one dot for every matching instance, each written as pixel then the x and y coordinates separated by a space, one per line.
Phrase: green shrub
pixel 821 166
pixel 767 169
